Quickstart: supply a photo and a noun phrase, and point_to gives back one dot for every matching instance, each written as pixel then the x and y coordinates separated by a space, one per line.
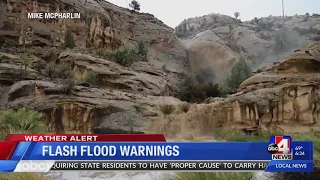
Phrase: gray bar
pixel 159 165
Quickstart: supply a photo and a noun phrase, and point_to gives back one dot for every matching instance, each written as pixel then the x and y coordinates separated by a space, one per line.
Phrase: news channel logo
pixel 280 147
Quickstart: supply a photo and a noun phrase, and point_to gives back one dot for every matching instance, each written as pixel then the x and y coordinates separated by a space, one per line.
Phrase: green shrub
pixel 69 39
pixel 104 53
pixel 255 20
pixel 124 57
pixel 22 121
pixel 134 5
pixel 68 85
pixel 188 90
pixel 63 70
pixel 224 90
pixel 198 88
pixel 205 75
pixel 262 25
pixel 50 69
pixel 191 90
pixel 22 176
pixel 54 70
pixel 26 60
pixel 211 90
pixel 239 72
pixel 91 77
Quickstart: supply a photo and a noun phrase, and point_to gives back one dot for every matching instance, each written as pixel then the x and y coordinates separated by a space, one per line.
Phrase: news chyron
pixel 280 148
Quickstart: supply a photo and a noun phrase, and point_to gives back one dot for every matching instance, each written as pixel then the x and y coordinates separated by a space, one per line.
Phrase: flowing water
pixel 130 176
pixel 111 175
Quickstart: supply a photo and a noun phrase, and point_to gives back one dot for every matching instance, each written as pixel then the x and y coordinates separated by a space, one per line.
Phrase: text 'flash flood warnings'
pixel 280 147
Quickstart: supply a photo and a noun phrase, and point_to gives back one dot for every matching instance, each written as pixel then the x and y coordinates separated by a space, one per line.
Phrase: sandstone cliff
pixel 127 99
pixel 218 40
pixel 125 96
pixel 282 98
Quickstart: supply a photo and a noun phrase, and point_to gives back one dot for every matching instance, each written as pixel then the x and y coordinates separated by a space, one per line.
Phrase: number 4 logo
pixel 284 146
pixel 283 143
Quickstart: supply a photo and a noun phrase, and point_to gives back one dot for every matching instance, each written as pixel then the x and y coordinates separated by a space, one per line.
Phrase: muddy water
pixel 112 176
pixel 135 175
pixel 130 176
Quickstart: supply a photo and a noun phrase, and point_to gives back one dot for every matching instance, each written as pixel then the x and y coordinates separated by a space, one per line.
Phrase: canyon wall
pixel 124 98
pixel 218 41
pixel 282 98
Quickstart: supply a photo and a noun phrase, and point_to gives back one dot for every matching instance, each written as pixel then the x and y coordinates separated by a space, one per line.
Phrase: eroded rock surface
pixel 217 40
pixel 102 25
pixel 84 109
pixel 125 96
pixel 283 98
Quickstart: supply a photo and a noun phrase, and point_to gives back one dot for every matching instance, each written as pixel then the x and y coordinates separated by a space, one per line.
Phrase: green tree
pixel 256 20
pixel 135 5
pixel 91 77
pixel 239 72
pixel 211 90
pixel 26 62
pixel 205 75
pixel 191 91
pixel 126 57
pixel 50 70
pixel 236 15
pixel 184 28
pixel 306 17
pixel 188 90
pixel 21 121
pixel 69 39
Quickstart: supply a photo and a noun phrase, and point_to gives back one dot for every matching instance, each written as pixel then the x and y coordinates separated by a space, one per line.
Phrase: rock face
pixel 124 98
pixel 222 40
pixel 102 25
pixel 127 99
pixel 283 98
pixel 83 109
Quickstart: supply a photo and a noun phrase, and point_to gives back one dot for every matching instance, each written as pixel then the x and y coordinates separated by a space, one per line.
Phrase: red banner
pixel 7 149
pixel 87 137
